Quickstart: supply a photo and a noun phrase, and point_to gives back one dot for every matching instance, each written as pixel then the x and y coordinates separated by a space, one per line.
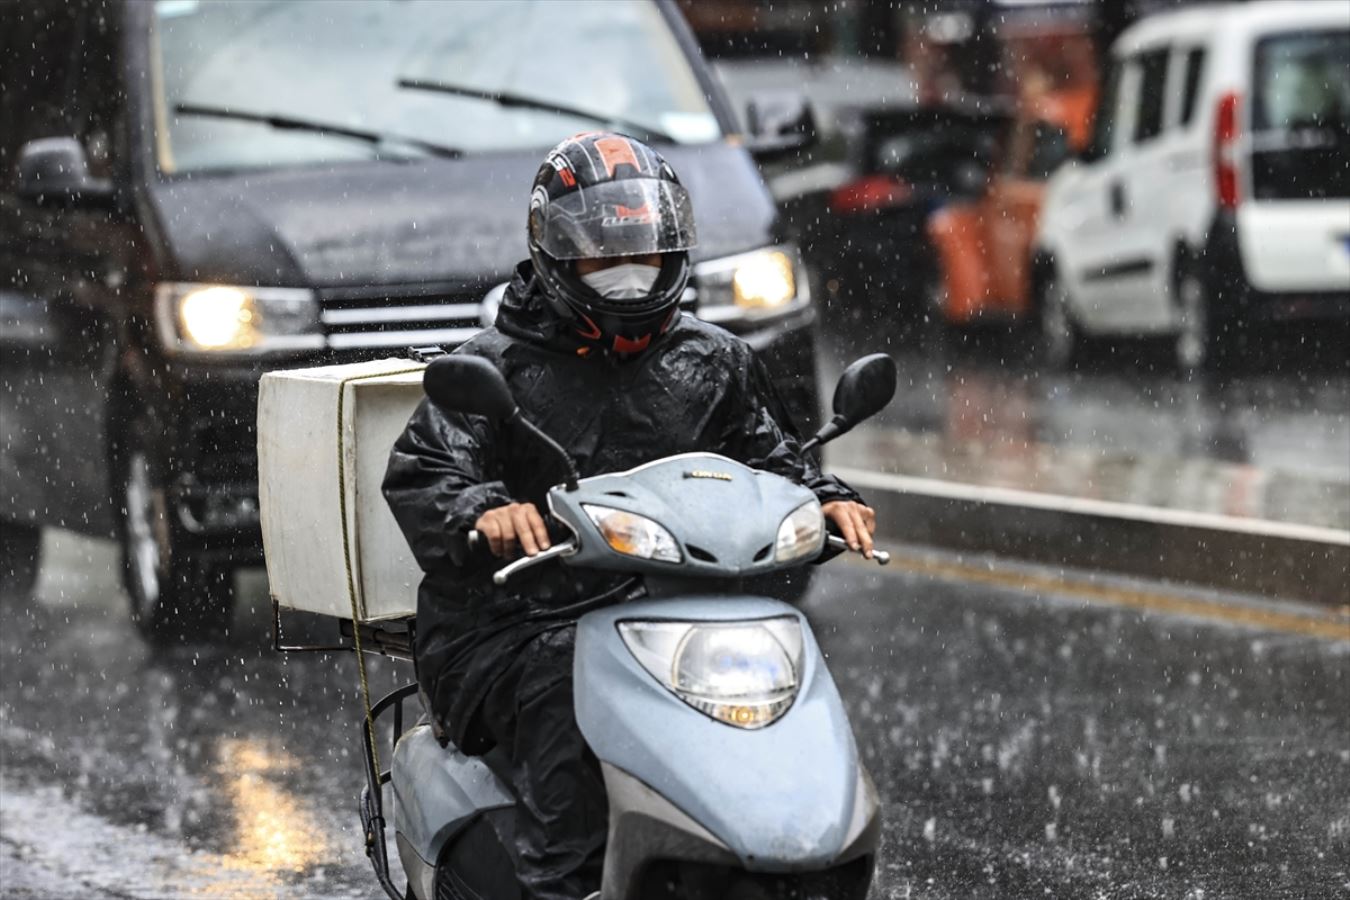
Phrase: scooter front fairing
pixel 791 796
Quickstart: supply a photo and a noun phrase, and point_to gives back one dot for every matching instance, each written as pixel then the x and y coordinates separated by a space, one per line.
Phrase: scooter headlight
pixel 745 674
pixel 633 535
pixel 801 534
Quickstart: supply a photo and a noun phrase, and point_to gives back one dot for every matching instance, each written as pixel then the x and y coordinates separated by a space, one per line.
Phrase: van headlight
pixel 801 534
pixel 761 282
pixel 232 319
pixel 745 674
pixel 633 535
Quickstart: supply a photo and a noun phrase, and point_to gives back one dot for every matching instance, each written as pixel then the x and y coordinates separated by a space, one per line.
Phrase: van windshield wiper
pixel 508 100
pixel 292 123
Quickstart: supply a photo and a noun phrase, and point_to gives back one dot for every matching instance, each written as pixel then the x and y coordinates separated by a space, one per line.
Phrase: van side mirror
pixel 863 390
pixel 468 384
pixel 779 124
pixel 56 170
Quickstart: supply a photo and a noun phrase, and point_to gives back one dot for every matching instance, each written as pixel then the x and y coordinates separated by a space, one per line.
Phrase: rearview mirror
pixel 56 170
pixel 778 124
pixel 468 384
pixel 865 388
pixel 863 391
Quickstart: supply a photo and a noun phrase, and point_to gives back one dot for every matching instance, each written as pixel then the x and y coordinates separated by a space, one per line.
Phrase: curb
pixel 1275 559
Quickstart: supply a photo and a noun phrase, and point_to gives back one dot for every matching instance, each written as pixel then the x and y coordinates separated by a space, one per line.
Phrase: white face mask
pixel 629 281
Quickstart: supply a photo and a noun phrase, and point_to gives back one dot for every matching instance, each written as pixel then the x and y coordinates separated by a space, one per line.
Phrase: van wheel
pixel 1058 338
pixel 20 559
pixel 174 596
pixel 1194 346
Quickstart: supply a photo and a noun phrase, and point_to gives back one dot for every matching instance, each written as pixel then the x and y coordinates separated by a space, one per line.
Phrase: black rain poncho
pixel 698 388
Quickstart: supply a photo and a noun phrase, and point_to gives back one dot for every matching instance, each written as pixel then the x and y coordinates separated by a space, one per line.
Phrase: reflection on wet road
pixel 208 773
pixel 1268 440
pixel 1031 735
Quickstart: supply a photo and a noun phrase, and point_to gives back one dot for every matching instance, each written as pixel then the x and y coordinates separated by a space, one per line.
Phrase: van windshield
pixel 271 84
pixel 1301 116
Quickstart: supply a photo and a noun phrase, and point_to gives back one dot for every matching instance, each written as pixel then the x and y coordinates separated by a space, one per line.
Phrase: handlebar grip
pixel 834 542
pixel 503 575
pixel 480 551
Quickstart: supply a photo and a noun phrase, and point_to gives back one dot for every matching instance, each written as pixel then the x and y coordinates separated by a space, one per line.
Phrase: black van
pixel 196 191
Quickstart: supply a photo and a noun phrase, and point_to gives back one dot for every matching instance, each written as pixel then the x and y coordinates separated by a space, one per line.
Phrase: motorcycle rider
pixel 590 338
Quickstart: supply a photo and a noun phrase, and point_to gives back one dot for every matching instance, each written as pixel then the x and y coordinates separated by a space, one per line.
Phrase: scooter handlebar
pixel 567 548
pixel 880 557
pixel 477 543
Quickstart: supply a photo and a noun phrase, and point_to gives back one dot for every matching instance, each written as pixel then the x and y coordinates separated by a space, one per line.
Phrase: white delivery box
pixel 324 436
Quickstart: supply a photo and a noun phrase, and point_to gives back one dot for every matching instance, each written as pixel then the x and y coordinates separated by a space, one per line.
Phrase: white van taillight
pixel 1226 151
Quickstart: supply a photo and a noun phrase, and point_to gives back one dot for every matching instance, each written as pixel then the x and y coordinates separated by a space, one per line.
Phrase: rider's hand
pixel 857 523
pixel 514 526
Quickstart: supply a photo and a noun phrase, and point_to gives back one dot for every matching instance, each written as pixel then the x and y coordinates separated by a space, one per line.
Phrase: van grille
pixel 400 315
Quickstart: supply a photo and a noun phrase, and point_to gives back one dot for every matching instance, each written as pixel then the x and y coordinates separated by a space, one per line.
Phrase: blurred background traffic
pixel 1108 244
pixel 1114 268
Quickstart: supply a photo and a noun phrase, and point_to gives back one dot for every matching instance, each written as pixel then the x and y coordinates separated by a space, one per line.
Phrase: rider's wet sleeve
pixel 440 479
pixel 761 434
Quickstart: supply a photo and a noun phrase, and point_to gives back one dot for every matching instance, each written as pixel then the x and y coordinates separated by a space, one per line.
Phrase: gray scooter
pixel 728 758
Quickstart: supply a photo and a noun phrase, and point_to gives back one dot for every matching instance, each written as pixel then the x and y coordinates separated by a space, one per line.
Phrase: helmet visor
pixel 630 217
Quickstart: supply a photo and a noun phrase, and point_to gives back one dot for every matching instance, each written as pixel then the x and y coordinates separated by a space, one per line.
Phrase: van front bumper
pixel 207 415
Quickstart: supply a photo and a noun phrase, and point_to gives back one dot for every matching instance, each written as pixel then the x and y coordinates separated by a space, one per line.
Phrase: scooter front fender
pixel 792 796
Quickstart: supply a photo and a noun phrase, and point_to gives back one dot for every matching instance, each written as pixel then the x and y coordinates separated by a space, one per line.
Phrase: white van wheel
pixel 1194 340
pixel 1058 331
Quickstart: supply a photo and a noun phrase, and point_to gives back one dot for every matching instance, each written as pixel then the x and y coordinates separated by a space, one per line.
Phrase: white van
pixel 1216 192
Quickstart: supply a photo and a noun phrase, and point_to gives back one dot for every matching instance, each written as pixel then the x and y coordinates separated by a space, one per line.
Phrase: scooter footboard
pixel 439 795
pixel 789 797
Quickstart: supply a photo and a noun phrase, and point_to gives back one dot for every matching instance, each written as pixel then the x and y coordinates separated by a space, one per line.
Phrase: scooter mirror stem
pixel 864 389
pixel 517 419
pixel 828 432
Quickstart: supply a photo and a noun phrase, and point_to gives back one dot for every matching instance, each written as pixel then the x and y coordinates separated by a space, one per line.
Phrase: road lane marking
pixel 1313 623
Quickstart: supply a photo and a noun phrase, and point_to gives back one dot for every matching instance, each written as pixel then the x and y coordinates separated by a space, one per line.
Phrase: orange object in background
pixel 984 246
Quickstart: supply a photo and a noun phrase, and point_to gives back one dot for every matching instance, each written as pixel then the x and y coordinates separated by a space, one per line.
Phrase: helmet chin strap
pixel 624 345
pixel 629 346
pixel 592 331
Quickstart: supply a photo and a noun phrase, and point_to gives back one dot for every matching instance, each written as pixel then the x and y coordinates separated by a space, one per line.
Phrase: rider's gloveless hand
pixel 856 523
pixel 516 526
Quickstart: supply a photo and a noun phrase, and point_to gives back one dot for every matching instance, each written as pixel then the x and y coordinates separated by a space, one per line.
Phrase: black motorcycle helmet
pixel 603 195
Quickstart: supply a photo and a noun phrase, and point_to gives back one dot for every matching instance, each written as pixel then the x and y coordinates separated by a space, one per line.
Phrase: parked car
pixel 871 242
pixel 983 243
pixel 196 192
pixel 1215 194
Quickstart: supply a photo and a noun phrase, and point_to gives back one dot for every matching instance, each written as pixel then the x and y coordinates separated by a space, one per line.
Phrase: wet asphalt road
pixel 1267 436
pixel 1032 735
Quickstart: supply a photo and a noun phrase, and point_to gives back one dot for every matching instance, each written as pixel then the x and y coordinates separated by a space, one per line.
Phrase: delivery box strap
pixel 347 545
